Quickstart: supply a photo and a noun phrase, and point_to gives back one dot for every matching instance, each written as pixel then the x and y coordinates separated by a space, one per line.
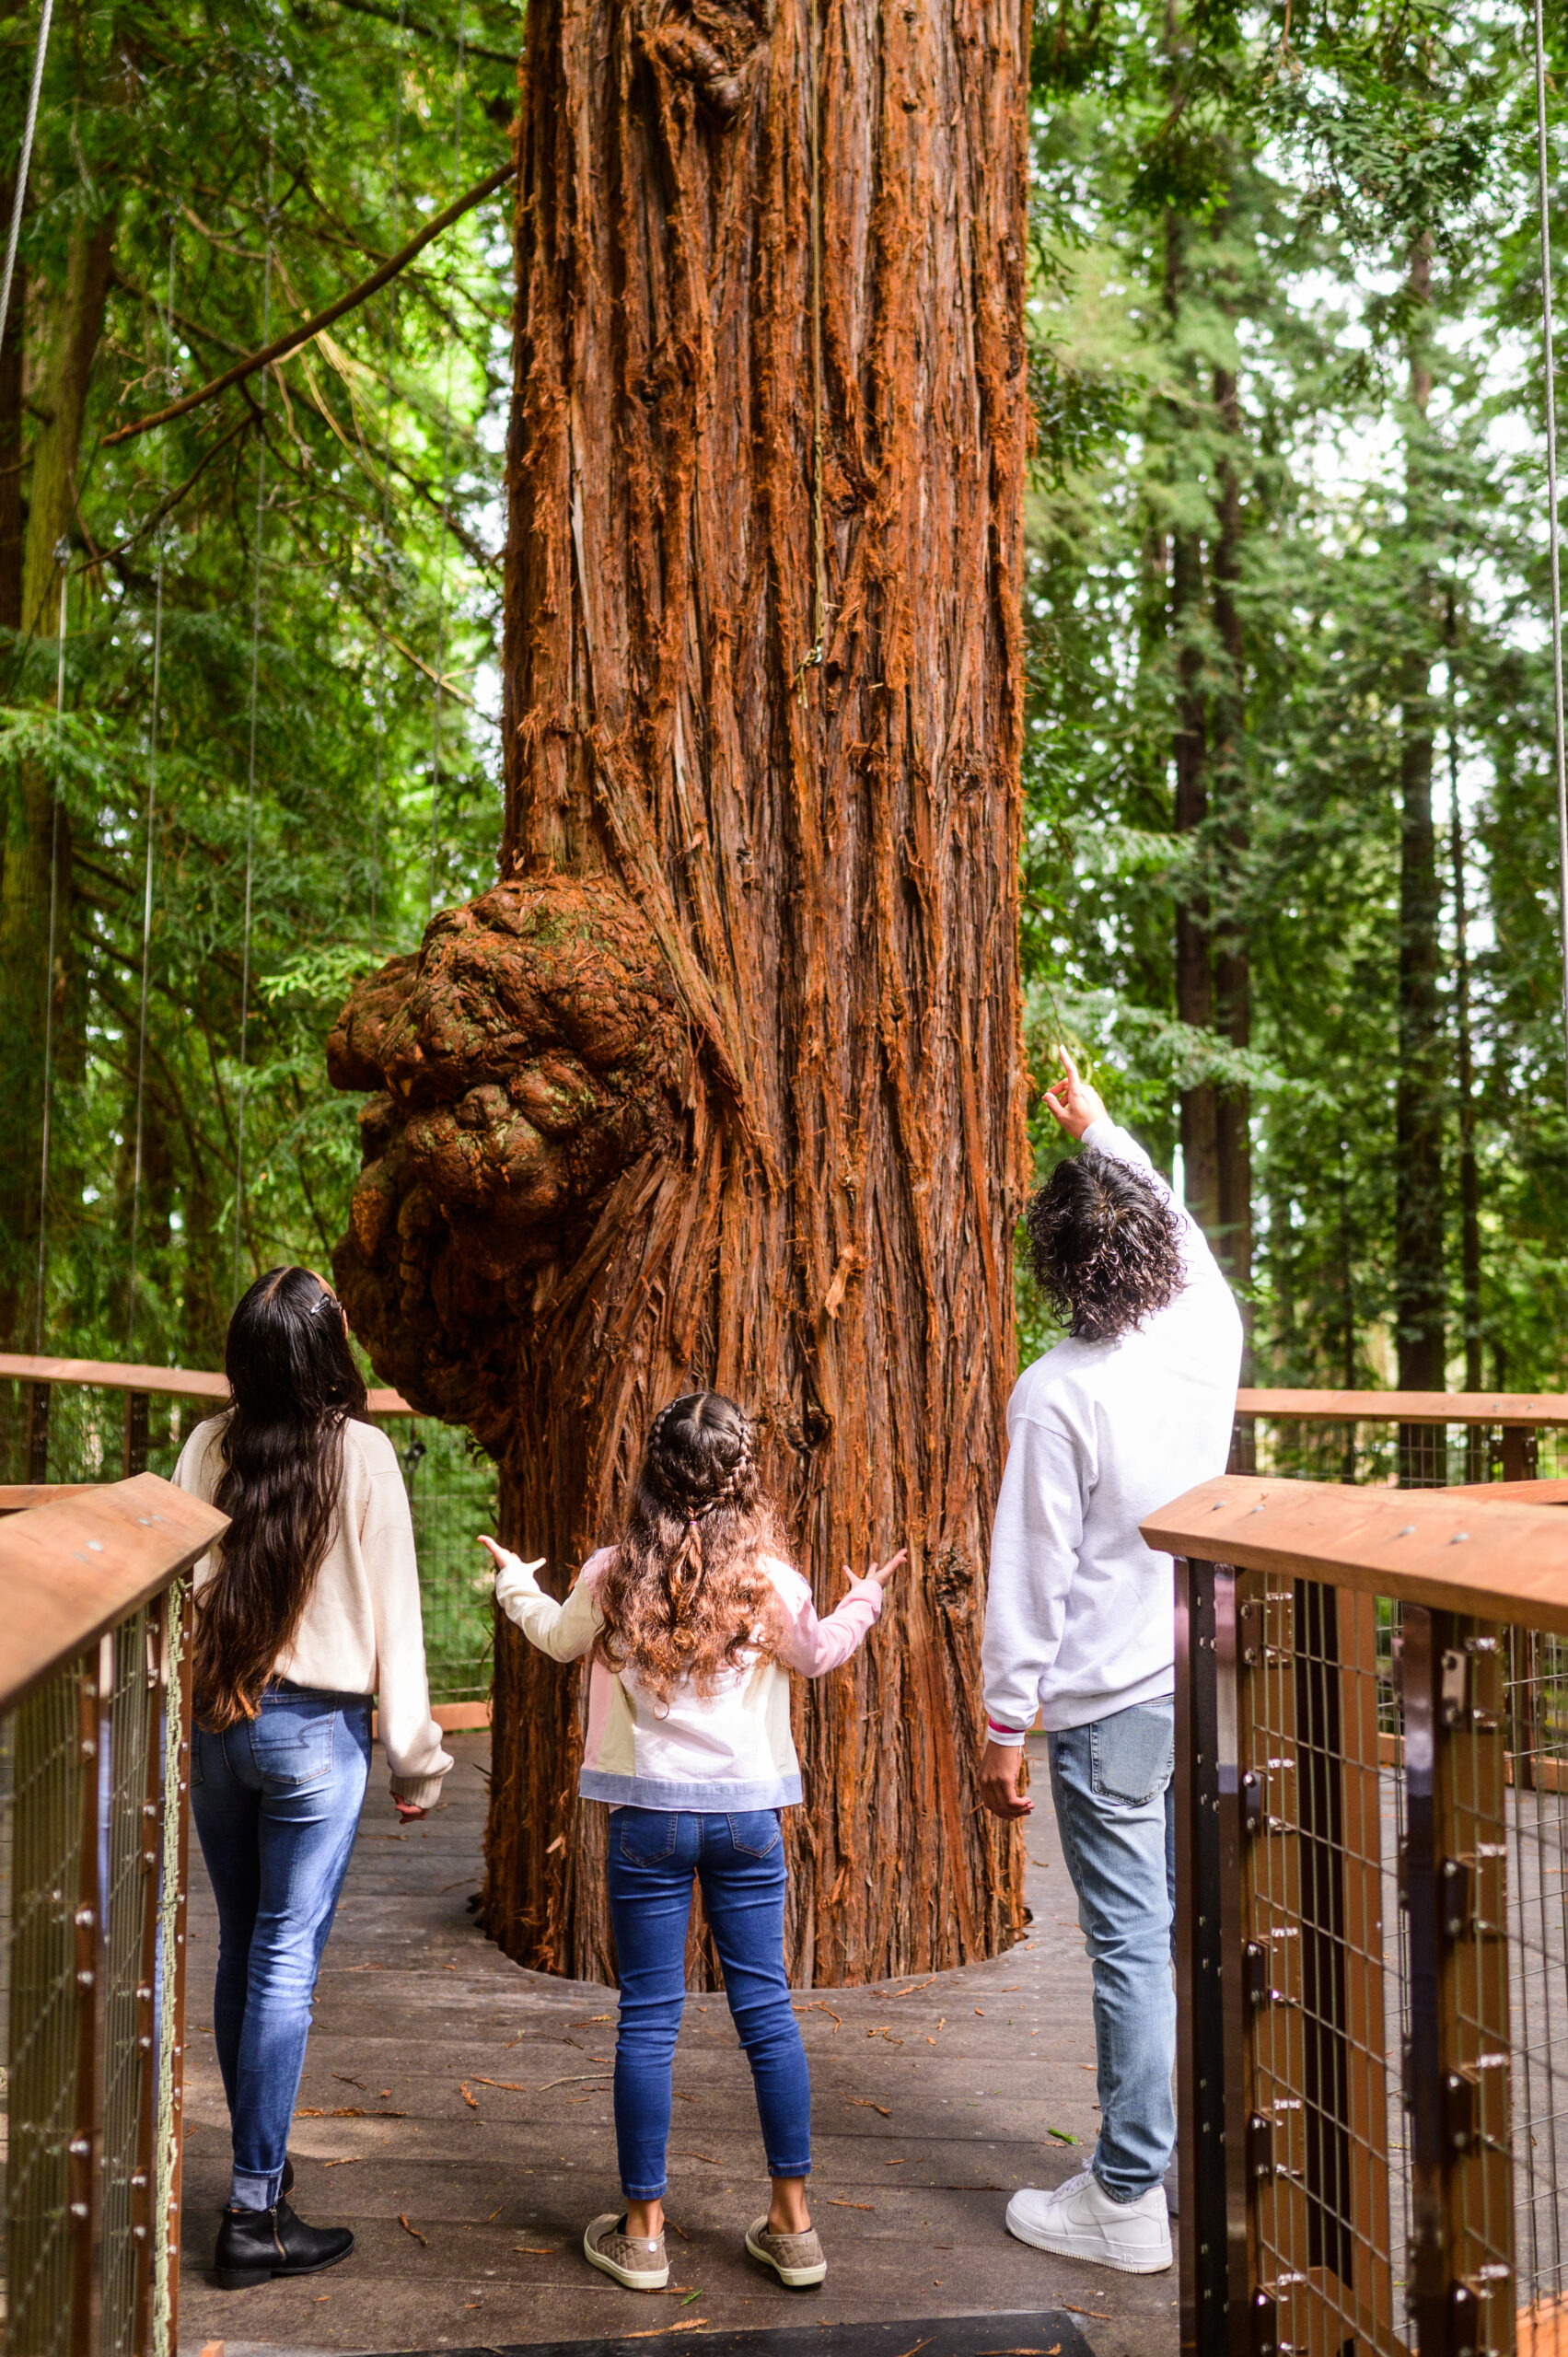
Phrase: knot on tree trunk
pixel 708 45
pixel 523 1060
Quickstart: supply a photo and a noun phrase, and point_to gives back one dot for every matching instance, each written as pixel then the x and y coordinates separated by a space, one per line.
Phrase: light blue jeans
pixel 1116 1813
pixel 276 1801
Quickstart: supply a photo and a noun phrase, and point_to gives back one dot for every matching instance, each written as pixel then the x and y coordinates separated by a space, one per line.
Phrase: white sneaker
pixel 1081 2221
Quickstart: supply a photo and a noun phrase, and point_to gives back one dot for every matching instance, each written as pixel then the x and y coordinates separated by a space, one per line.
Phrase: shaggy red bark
pixel 722 1085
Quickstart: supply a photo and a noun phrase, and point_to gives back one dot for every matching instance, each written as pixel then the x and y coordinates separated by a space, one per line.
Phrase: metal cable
pixel 385 504
pixel 1553 531
pixel 23 162
pixel 152 817
pixel 61 558
pixel 250 787
pixel 446 490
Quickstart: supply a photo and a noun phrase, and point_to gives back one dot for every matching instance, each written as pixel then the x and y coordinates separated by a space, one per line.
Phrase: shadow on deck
pixel 456 2113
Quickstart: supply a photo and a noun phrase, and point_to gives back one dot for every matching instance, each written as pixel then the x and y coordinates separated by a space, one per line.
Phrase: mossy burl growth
pixel 522 1061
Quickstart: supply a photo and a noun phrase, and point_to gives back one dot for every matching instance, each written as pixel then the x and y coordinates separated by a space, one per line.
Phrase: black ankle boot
pixel 256 2245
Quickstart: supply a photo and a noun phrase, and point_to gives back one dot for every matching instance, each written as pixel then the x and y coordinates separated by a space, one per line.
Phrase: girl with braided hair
pixel 694 1619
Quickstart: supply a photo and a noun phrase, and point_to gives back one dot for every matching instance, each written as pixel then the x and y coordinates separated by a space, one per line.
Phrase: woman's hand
pixel 506 1561
pixel 406 1810
pixel 881 1573
pixel 1074 1104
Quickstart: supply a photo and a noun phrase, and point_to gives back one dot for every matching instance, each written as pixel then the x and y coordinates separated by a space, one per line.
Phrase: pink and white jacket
pixel 730 1749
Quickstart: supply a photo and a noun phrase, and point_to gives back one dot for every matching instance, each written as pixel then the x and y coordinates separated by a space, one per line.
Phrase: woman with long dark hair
pixel 307 1608
pixel 694 1619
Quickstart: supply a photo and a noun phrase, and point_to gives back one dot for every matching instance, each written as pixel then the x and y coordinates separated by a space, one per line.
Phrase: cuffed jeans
pixel 276 1801
pixel 1115 1810
pixel 739 1862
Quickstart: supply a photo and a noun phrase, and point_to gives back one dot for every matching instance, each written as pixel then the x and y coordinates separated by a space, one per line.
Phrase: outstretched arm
pixel 566 1631
pixel 813 1646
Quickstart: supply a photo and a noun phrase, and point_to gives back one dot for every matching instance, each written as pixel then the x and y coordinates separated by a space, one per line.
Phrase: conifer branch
pixel 283 344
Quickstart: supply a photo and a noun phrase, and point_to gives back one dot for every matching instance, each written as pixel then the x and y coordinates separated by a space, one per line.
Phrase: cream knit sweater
pixel 362 1631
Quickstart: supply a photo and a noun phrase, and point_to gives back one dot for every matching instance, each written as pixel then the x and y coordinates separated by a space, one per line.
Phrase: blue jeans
pixel 1115 1812
pixel 739 1861
pixel 276 1801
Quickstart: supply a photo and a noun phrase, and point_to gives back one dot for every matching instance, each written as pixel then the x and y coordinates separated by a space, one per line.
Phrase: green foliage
pixel 1290 170
pixel 296 562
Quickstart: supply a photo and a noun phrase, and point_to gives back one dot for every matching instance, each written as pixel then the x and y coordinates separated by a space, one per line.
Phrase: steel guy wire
pixel 446 492
pixel 1553 531
pixel 151 819
pixel 386 501
pixel 24 162
pixel 250 785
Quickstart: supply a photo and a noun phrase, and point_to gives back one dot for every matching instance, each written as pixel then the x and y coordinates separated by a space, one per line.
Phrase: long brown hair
pixel 295 1386
pixel 686 1597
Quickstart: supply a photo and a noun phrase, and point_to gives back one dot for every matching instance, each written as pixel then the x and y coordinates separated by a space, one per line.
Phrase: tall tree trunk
pixel 1232 971
pixel 1194 947
pixel 1464 1085
pixel 1422 1078
pixel 722 1085
pixel 30 830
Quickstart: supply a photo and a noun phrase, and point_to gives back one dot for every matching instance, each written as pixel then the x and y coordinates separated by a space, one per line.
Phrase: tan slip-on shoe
pixel 797 2259
pixel 635 2261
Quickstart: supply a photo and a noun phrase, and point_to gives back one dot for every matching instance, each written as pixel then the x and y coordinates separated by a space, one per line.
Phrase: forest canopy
pixel 1290 871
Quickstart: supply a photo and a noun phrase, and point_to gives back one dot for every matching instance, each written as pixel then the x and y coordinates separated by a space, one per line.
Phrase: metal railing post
pixel 136 1449
pixel 1456 2062
pixel 1210 2089
pixel 39 1395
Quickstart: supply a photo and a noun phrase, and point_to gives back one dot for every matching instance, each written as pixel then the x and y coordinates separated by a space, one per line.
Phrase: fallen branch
pixel 280 348
pixel 402 2220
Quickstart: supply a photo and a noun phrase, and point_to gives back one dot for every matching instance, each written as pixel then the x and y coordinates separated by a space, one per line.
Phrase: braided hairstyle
pixel 686 1598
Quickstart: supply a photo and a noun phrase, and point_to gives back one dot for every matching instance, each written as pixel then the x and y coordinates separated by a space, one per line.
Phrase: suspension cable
pixel 152 815
pixel 386 501
pixel 446 488
pixel 250 785
pixel 61 558
pixel 23 163
pixel 1553 533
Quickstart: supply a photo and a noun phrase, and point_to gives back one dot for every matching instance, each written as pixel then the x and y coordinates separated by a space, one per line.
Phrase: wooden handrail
pixel 176 1382
pixel 17 1497
pixel 1452 1554
pixel 1408 1407
pixel 70 1570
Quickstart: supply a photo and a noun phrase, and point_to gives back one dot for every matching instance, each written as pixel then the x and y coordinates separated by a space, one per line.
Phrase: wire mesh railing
pixel 1372 1928
pixel 1406 1440
pixel 93 1789
pixel 102 1422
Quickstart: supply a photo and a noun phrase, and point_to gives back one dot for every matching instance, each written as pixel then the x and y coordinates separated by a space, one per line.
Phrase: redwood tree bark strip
pixel 793 1173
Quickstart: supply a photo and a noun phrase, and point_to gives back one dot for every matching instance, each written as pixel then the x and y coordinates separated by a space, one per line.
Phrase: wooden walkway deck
pixel 456 2112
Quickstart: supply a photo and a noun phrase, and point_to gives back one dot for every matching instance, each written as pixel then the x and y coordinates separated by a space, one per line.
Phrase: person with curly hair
pixel 1133 1407
pixel 694 1619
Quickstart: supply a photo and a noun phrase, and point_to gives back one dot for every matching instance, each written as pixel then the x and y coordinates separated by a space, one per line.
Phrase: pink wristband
pixel 997 1728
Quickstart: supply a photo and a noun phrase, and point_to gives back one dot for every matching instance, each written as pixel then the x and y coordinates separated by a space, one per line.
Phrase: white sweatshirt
pixel 362 1631
pixel 1079 1616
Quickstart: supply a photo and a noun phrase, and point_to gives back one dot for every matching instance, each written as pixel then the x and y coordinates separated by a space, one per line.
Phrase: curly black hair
pixel 1105 1244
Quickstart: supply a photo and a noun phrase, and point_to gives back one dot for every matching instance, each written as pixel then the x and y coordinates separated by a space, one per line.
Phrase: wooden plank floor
pixel 456 2113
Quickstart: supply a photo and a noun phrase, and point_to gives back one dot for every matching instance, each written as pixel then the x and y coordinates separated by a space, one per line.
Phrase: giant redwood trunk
pixel 721 1084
